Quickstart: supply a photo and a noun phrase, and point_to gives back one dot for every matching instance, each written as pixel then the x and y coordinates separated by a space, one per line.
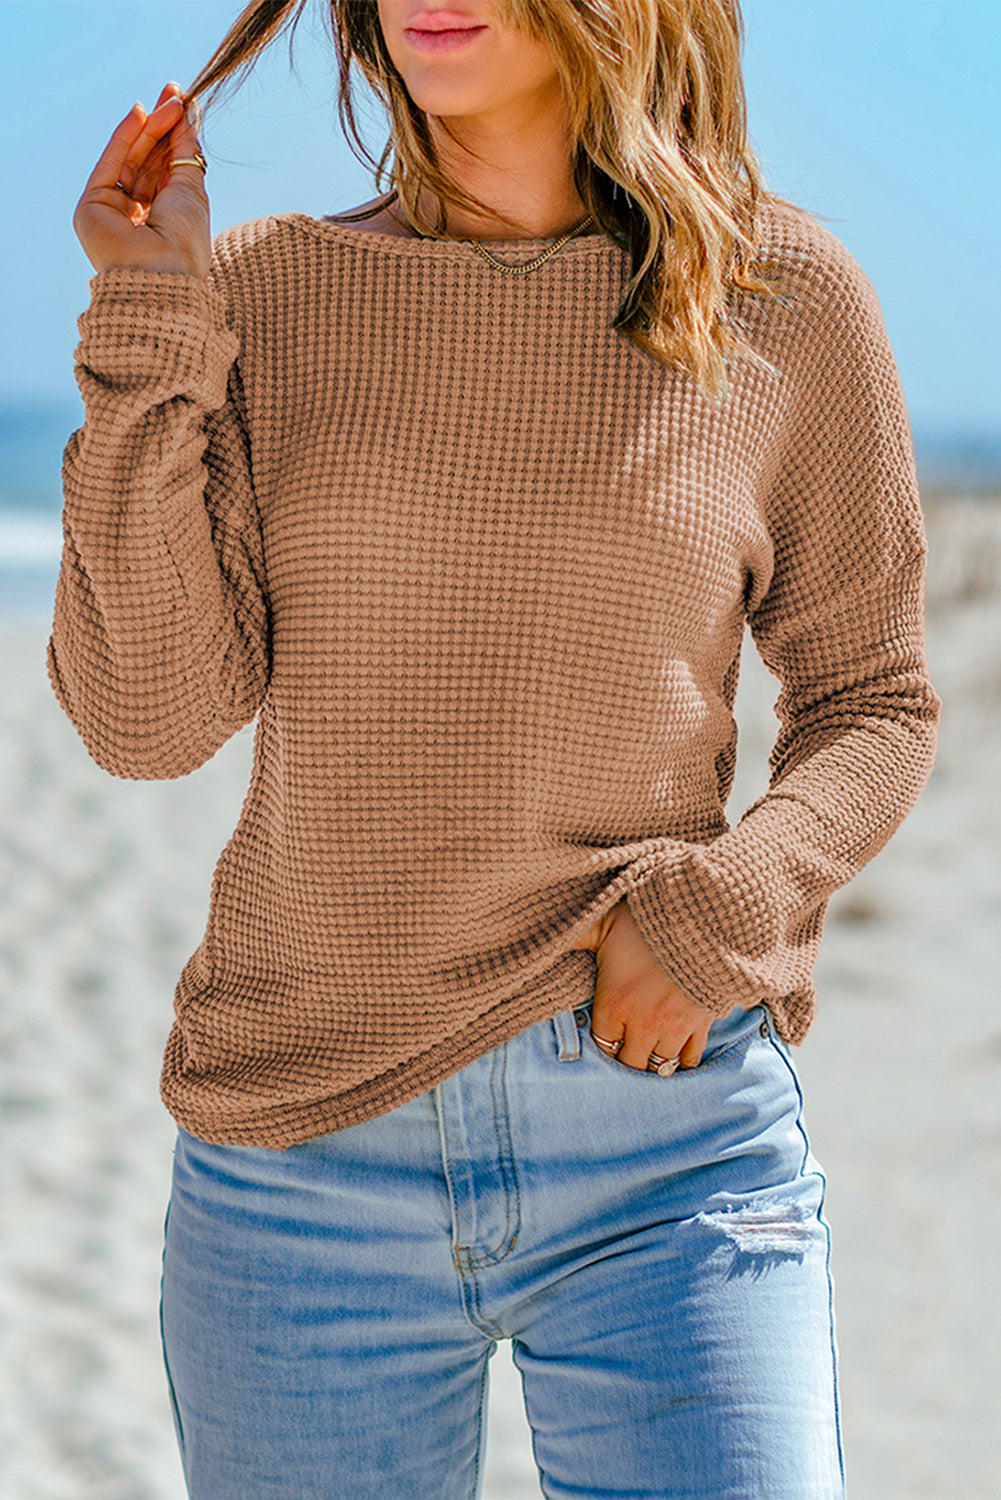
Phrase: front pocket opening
pixel 709 1059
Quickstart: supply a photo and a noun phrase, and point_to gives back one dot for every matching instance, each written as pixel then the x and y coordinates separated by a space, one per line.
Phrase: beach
pixel 106 888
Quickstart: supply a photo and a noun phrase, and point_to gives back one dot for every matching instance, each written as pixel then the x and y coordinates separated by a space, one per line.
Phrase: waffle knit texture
pixel 481 569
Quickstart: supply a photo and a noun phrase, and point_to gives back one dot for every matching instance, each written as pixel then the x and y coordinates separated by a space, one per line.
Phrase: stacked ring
pixel 190 161
pixel 662 1066
pixel 179 161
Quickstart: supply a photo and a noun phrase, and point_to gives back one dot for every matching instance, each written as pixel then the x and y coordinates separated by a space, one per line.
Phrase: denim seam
pixel 446 1163
pixel 531 1426
pixel 827 1260
pixel 505 1162
pixel 474 1309
pixel 480 1442
pixel 171 1390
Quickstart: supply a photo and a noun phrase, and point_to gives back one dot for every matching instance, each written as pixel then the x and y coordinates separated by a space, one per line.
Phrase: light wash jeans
pixel 654 1247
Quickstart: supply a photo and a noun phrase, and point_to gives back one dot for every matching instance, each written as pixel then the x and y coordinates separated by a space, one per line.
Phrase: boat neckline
pixel 580 244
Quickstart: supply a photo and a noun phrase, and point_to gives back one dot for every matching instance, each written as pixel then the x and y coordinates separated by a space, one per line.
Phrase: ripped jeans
pixel 654 1248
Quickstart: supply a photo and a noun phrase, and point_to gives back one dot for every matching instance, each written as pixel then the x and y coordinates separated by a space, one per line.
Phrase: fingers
pixel 130 156
pixel 640 1041
pixel 136 209
pixel 632 1042
pixel 131 142
pixel 691 1052
pixel 606 1039
pixel 636 1002
pixel 112 159
pixel 635 1053
pixel 183 141
pixel 141 170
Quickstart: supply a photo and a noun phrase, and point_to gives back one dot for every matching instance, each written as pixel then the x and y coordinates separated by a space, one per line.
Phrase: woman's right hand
pixel 162 222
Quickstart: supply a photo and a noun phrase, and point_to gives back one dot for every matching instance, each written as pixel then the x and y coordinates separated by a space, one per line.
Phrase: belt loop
pixel 567 1035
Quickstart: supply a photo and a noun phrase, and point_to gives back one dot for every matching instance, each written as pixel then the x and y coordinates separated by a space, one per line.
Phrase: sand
pixel 105 893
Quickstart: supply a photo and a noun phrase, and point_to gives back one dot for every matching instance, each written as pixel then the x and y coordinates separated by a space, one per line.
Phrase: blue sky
pixel 881 115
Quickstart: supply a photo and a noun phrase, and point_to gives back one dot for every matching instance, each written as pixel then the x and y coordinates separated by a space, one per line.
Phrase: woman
pixel 467 499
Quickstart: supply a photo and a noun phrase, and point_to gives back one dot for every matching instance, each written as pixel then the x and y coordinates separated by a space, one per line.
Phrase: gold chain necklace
pixel 529 265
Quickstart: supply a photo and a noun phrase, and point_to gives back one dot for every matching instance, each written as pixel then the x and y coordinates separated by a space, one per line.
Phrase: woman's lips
pixel 442 41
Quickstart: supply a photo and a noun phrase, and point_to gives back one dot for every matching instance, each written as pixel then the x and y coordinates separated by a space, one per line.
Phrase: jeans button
pixel 763 1028
pixel 582 1018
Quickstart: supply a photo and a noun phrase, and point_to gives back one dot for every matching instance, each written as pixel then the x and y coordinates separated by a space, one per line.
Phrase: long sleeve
pixel 841 622
pixel 159 649
pixel 482 575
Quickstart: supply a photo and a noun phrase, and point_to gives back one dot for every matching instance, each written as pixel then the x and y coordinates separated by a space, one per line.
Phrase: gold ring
pixel 189 161
pixel 612 1046
pixel 662 1066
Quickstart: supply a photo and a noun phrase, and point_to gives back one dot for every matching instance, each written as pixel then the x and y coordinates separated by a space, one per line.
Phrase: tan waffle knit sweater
pixel 481 569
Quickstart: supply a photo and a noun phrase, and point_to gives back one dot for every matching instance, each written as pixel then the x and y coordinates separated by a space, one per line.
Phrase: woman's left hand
pixel 635 1000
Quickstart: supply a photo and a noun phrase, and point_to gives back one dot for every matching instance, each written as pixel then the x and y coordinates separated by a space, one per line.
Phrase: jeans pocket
pixel 728 1038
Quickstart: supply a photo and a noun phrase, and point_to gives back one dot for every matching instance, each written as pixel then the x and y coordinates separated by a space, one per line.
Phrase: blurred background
pixel 881 116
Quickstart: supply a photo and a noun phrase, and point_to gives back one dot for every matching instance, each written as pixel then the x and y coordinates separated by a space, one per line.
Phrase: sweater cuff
pixel 688 940
pixel 158 333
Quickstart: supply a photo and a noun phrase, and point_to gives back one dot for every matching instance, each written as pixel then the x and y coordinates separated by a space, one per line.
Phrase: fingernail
pixel 194 114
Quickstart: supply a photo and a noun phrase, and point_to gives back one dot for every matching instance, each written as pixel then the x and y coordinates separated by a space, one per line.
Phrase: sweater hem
pixel 289 1123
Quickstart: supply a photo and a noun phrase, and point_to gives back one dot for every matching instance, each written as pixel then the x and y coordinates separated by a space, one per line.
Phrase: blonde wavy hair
pixel 657 125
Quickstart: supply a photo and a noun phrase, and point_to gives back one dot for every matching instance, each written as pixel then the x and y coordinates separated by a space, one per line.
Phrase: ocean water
pixel 32 439
pixel 33 436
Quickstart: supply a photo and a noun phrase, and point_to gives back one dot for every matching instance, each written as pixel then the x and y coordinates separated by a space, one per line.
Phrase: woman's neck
pixel 521 169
